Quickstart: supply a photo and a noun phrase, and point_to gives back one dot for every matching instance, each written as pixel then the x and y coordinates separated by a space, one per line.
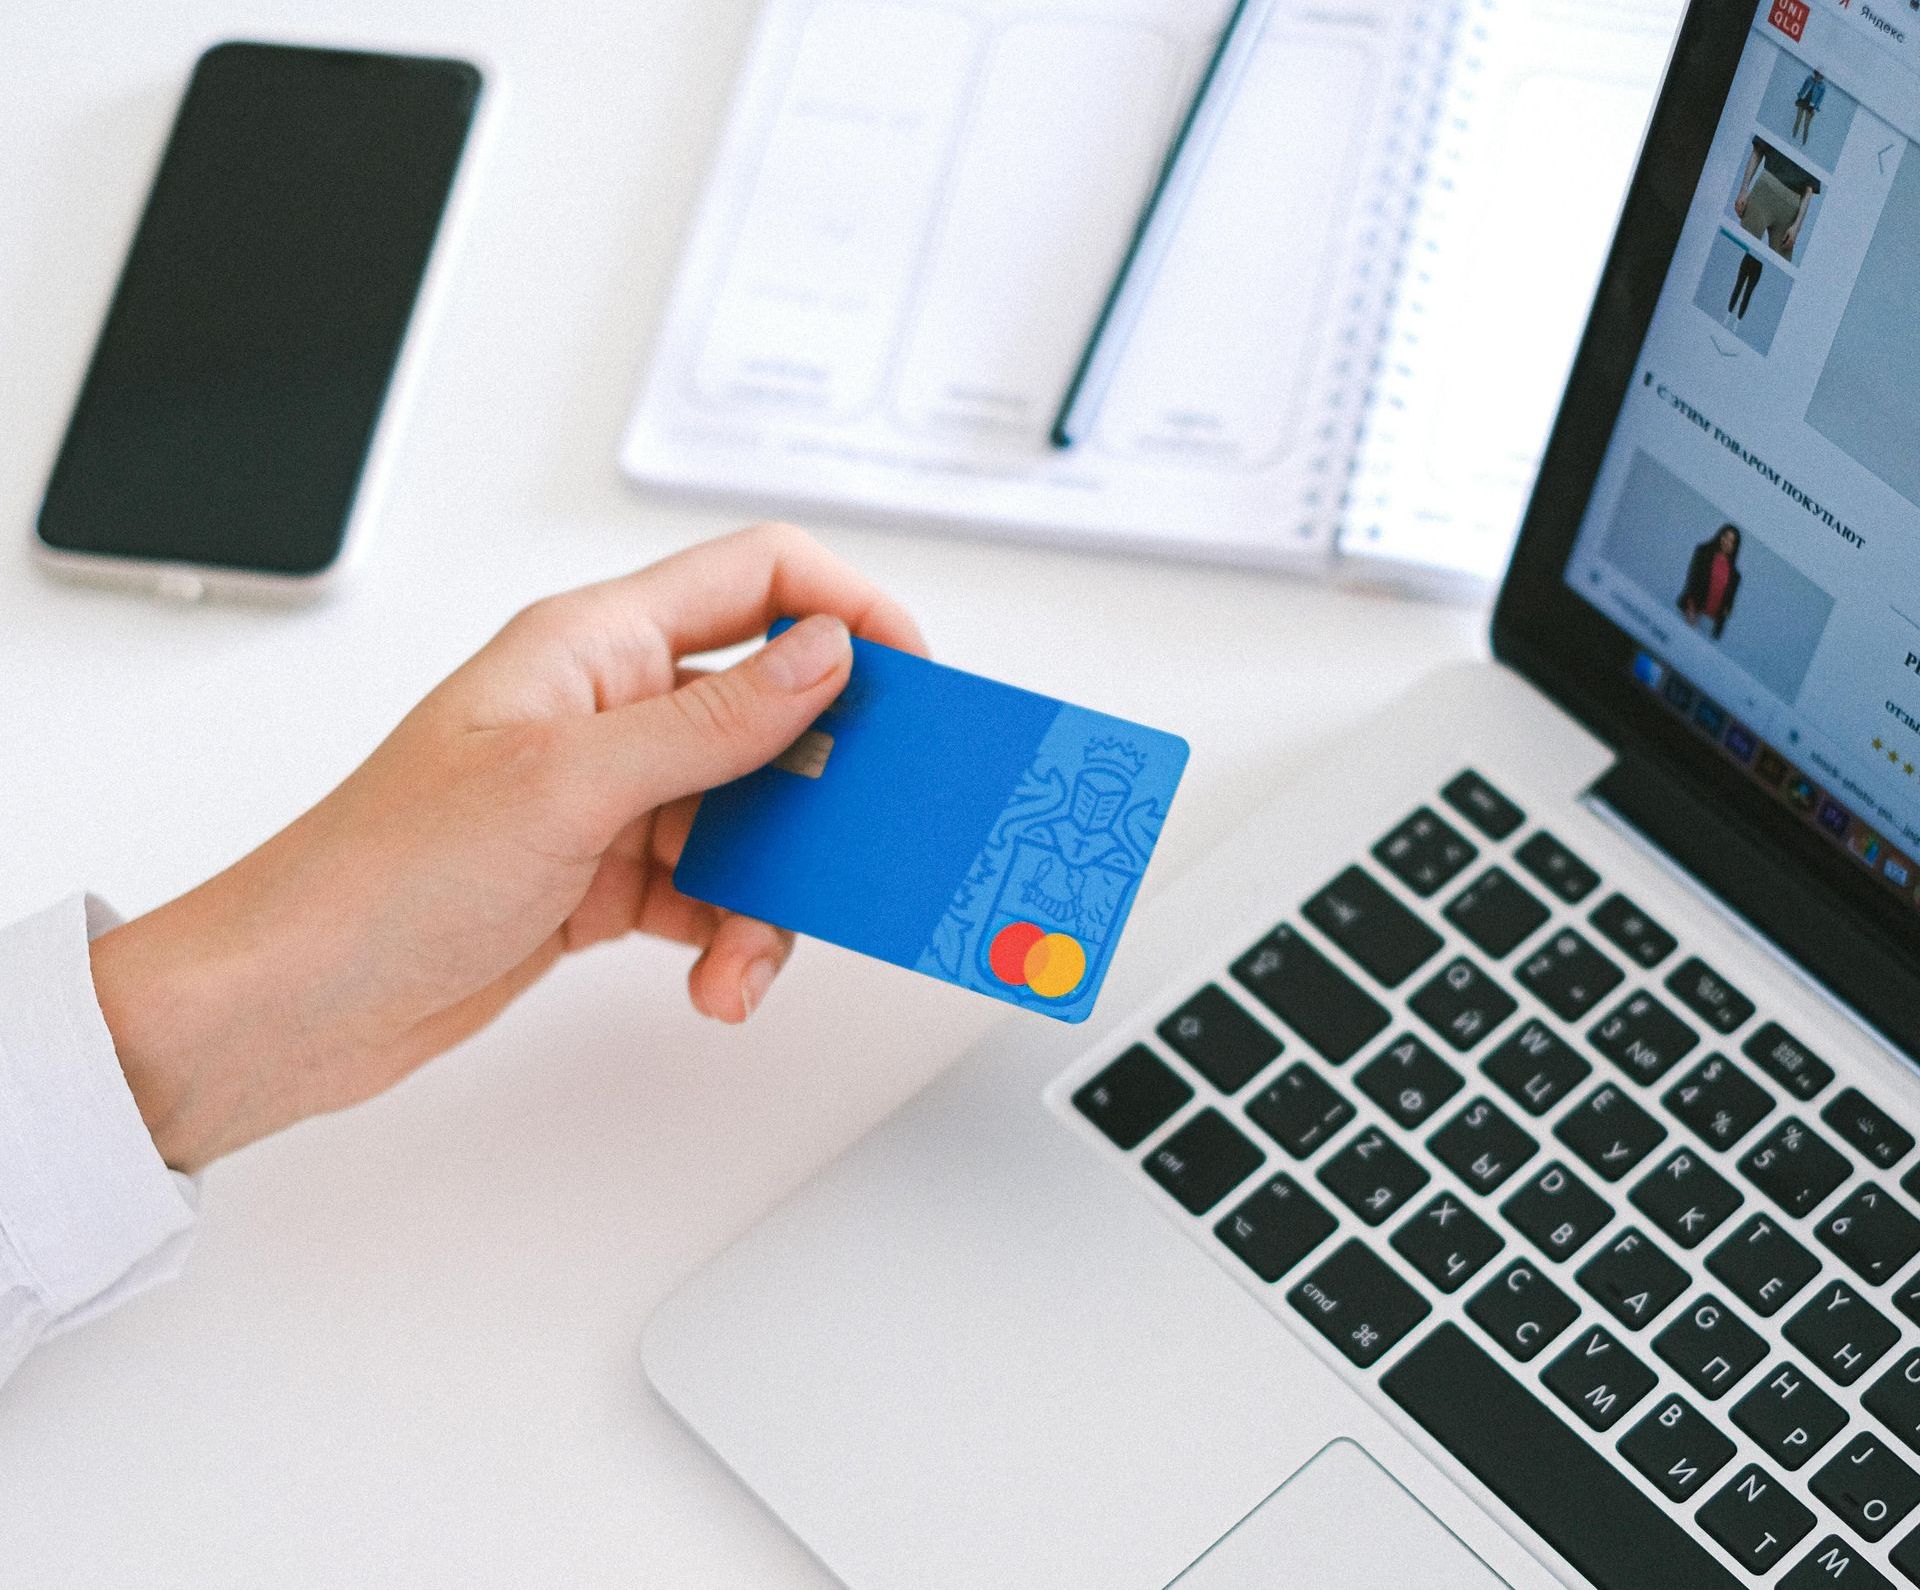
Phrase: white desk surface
pixel 404 1352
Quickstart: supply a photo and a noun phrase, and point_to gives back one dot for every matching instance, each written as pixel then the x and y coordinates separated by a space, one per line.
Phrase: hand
pixel 1740 206
pixel 1788 238
pixel 534 804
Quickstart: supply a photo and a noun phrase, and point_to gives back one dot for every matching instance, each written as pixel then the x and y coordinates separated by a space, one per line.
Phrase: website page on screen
pixel 1756 523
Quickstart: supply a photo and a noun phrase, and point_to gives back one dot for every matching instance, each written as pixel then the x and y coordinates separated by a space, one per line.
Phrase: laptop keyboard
pixel 1556 1209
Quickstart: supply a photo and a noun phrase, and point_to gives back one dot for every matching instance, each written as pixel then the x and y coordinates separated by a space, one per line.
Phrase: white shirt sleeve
pixel 89 1214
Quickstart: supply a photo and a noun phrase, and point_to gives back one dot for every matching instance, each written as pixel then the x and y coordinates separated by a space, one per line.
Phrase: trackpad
pixel 1341 1523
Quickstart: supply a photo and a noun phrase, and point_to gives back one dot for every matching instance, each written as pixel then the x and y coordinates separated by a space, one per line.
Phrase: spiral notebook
pixel 1350 357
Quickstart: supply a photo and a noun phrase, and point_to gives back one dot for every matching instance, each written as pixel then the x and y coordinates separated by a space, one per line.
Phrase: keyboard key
pixel 1756 1520
pixel 1870 1488
pixel 1216 1036
pixel 1906 1557
pixel 1522 1310
pixel 1719 1101
pixel 1276 1228
pixel 1841 1332
pixel 1834 1562
pixel 1536 1066
pixel 1795 1167
pixel 1906 1296
pixel 1496 913
pixel 1558 1212
pixel 1311 995
pixel 1373 1176
pixel 1787 1060
pixel 1881 1140
pixel 1300 1110
pixel 1612 1534
pixel 1447 1242
pixel 1709 995
pixel 1483 806
pixel 1632 1279
pixel 1203 1161
pixel 1789 1416
pixel 1359 1304
pixel 1894 1399
pixel 1558 868
pixel 1685 1197
pixel 1387 939
pixel 1569 976
pixel 1409 1081
pixel 1644 1038
pixel 1463 1004
pixel 1676 1447
pixel 1481 1146
pixel 1710 1349
pixel 1873 1234
pixel 1425 853
pixel 1133 1098
pixel 1762 1265
pixel 1598 1378
pixel 1610 1132
pixel 1631 931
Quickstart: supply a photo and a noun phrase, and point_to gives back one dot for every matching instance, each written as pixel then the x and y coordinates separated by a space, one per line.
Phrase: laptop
pixel 1495 1165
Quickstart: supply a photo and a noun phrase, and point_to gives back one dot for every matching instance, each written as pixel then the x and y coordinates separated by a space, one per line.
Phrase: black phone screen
pixel 235 390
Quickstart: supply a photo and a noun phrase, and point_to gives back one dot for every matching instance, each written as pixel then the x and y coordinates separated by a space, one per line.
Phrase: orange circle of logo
pixel 1024 955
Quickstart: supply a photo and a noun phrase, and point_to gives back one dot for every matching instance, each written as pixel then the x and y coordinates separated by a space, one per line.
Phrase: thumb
pixel 721 726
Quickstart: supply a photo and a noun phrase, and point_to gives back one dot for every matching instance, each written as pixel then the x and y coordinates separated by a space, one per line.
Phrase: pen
pixel 1160 220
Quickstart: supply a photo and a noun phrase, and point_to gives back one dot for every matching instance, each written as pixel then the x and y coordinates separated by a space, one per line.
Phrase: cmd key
pixel 1356 1302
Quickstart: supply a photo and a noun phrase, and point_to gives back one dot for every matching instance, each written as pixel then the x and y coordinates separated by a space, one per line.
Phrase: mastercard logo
pixel 1025 955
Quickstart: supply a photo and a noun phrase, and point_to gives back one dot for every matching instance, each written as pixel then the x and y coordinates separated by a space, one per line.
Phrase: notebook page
pixel 917 211
pixel 1534 146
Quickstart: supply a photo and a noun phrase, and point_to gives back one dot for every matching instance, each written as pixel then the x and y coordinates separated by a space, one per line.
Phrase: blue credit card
pixel 978 833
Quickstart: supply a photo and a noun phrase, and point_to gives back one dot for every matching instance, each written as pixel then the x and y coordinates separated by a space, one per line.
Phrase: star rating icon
pixel 1893 756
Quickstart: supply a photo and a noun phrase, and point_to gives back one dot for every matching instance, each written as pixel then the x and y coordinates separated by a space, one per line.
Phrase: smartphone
pixel 229 431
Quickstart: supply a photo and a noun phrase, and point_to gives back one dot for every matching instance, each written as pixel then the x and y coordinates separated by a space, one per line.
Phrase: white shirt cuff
pixel 89 1213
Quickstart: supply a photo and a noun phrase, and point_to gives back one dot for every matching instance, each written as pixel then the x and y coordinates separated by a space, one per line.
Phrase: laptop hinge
pixel 1861 973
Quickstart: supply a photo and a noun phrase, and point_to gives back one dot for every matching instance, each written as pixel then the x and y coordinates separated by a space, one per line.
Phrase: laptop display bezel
pixel 1810 897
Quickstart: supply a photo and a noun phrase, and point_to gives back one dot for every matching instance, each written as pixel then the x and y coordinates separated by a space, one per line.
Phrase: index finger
pixel 729 590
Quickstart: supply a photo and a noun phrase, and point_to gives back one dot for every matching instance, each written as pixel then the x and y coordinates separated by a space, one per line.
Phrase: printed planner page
pixel 1536 138
pixel 916 215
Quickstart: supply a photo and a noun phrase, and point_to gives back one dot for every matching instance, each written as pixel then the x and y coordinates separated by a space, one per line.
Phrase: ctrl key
pixel 1358 1304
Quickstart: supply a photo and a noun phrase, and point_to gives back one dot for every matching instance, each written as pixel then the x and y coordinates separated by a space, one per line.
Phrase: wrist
pixel 177 1002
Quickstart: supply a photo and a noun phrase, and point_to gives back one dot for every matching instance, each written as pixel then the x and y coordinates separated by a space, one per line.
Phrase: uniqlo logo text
pixel 1789 16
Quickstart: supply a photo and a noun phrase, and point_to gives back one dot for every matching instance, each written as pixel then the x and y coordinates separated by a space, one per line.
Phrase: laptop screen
pixel 1754 525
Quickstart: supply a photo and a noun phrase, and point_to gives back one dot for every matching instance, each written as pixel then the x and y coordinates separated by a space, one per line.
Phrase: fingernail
pixel 806 654
pixel 755 982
